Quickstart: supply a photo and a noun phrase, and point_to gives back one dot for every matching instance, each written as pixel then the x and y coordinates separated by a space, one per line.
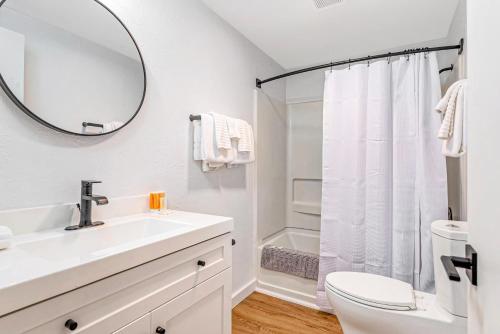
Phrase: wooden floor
pixel 263 314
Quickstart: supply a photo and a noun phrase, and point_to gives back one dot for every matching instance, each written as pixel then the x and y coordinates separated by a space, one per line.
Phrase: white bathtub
pixel 295 289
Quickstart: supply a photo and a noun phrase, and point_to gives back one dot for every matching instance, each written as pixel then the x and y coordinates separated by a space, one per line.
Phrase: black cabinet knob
pixel 160 330
pixel 201 263
pixel 71 324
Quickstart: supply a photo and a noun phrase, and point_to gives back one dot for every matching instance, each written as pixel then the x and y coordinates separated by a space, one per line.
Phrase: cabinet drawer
pixel 109 304
pixel 140 326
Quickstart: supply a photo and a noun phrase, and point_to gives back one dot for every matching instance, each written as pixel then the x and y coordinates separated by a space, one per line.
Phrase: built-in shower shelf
pixel 307 207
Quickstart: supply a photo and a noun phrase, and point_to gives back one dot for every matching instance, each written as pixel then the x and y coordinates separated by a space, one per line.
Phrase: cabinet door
pixel 140 326
pixel 204 309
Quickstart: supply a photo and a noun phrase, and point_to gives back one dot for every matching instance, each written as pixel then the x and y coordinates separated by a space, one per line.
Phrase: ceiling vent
pixel 320 4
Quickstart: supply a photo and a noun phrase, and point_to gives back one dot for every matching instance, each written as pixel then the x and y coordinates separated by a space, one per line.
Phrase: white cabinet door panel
pixel 204 309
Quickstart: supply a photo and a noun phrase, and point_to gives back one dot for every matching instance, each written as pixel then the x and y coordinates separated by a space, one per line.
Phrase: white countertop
pixel 45 264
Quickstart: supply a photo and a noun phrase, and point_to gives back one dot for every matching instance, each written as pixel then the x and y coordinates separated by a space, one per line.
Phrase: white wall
pixel 484 162
pixel 309 86
pixel 195 63
pixel 456 167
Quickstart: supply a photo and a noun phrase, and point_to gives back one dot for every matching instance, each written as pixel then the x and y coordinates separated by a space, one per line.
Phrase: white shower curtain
pixel 384 177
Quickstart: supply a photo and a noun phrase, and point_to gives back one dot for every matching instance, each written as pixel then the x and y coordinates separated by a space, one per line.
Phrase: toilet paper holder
pixel 469 263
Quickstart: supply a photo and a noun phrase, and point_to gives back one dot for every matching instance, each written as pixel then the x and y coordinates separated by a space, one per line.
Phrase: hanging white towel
pixel 234 125
pixel 447 106
pixel 246 141
pixel 455 146
pixel 443 103
pixel 452 129
pixel 222 139
pixel 205 147
pixel 242 140
pixel 243 157
pixel 197 140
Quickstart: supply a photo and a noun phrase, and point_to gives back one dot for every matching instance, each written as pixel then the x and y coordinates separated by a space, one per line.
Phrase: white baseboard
pixel 244 292
pixel 287 298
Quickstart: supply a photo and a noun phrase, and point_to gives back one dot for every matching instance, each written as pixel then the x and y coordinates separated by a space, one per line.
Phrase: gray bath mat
pixel 289 261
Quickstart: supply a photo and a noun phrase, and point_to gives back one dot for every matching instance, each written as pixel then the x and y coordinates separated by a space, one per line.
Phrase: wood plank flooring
pixel 267 315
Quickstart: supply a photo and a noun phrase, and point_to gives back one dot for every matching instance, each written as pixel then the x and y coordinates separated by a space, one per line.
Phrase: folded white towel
pixel 222 138
pixel 205 147
pixel 241 158
pixel 246 141
pixel 243 147
pixel 233 125
pixel 452 129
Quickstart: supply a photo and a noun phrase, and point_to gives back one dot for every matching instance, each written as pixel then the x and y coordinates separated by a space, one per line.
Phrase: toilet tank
pixel 449 238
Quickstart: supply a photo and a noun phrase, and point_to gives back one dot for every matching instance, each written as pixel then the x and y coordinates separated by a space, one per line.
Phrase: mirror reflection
pixel 70 64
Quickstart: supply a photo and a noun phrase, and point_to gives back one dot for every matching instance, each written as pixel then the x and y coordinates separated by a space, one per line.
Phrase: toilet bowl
pixel 372 304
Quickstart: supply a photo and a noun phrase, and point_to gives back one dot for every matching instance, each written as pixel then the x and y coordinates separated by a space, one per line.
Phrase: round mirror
pixel 72 65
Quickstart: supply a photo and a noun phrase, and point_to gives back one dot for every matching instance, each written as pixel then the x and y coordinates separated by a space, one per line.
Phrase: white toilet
pixel 372 304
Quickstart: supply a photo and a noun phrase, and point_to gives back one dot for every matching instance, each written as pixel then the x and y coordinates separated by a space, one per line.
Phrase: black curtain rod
pixel 459 47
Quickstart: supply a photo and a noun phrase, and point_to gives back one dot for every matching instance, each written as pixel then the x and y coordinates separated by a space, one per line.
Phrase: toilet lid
pixel 372 290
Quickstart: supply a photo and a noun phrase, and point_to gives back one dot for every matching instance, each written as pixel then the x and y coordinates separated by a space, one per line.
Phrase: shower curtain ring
pixel 368 63
pixel 349 64
pixel 331 67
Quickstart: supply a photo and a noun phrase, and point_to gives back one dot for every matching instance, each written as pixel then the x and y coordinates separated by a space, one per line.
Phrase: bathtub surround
pixel 384 177
pixel 289 190
pixel 304 156
pixel 271 165
pixel 42 168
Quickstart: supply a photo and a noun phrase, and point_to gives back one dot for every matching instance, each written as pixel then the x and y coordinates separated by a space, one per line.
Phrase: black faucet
pixel 86 206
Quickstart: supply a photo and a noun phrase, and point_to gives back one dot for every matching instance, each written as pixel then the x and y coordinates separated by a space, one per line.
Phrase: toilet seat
pixel 372 290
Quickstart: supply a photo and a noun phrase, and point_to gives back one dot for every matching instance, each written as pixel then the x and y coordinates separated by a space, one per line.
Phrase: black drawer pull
pixel 160 330
pixel 201 263
pixel 71 324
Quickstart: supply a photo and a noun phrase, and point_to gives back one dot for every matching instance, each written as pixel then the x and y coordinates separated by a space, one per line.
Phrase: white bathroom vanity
pixel 140 274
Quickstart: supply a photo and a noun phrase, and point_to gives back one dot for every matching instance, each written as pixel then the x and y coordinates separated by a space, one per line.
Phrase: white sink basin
pixel 102 240
pixel 45 264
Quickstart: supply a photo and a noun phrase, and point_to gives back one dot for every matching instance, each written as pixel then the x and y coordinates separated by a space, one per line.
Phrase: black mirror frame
pixel 31 114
